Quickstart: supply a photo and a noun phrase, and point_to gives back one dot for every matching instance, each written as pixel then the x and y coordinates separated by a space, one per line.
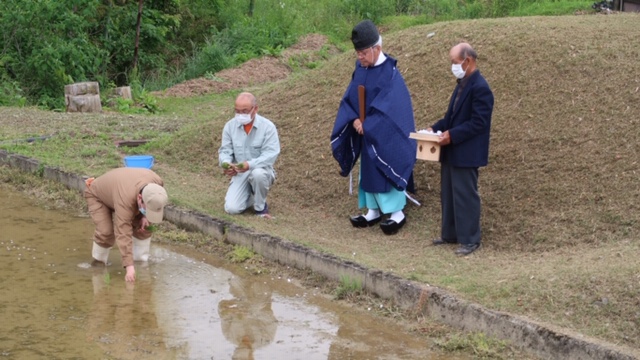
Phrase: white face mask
pixel 457 71
pixel 243 119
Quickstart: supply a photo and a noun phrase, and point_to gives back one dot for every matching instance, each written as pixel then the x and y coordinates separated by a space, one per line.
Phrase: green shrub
pixel 124 105
pixel 212 57
pixel 482 346
pixel 370 9
pixel 241 254
pixel 11 94
pixel 148 102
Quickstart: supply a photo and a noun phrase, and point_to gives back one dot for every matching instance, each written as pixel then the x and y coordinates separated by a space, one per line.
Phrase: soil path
pixel 255 71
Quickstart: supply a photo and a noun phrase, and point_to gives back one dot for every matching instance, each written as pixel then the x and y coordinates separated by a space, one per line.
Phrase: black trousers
pixel 460 204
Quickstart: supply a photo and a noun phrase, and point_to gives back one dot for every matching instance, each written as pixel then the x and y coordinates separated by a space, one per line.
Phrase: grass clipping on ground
pixel 560 195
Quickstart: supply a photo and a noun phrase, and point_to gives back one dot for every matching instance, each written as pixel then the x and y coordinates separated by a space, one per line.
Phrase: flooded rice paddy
pixel 184 304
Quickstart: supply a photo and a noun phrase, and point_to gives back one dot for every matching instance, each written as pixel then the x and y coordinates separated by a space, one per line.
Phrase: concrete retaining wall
pixel 436 303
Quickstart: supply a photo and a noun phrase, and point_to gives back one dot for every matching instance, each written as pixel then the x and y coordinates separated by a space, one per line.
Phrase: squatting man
pixel 249 149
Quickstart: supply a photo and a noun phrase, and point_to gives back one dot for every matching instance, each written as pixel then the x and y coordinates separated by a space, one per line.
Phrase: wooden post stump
pixel 83 97
pixel 124 92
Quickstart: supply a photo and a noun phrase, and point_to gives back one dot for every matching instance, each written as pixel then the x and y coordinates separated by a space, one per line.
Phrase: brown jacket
pixel 118 190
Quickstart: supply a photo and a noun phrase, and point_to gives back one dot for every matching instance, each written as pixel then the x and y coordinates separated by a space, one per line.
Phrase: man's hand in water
pixel 131 274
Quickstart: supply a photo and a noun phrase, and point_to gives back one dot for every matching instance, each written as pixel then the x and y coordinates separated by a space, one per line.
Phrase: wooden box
pixel 427 147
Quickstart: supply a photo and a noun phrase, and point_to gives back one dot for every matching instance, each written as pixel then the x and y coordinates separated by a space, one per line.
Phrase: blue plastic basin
pixel 139 161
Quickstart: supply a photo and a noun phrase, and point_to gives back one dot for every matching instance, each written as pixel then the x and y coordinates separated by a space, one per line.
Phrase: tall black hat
pixel 364 35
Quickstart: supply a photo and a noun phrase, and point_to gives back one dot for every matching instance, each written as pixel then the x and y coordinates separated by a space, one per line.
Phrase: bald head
pixel 463 51
pixel 464 54
pixel 247 97
pixel 246 103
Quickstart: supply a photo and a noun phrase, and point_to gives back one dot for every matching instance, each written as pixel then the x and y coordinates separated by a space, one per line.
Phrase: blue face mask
pixel 143 211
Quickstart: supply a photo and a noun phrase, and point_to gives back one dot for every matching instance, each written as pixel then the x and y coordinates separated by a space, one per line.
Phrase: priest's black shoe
pixel 441 241
pixel 361 222
pixel 465 250
pixel 391 227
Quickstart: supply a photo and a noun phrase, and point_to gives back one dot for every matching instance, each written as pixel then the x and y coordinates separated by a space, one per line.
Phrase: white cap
pixel 155 198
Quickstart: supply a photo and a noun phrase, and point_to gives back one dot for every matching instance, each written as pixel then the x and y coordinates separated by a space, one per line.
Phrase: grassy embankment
pixel 560 215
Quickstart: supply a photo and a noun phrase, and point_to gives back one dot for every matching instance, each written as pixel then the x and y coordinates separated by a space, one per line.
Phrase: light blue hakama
pixel 387 203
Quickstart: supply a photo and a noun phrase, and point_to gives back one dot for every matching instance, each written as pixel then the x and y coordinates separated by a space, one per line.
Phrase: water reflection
pixel 186 294
pixel 247 319
pixel 211 312
pixel 122 319
pixel 183 305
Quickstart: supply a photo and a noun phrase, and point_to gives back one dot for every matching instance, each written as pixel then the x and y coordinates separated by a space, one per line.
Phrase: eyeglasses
pixel 244 111
pixel 363 53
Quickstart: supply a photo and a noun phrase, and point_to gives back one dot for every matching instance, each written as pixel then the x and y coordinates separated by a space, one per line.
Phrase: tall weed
pixel 212 57
pixel 11 94
pixel 370 9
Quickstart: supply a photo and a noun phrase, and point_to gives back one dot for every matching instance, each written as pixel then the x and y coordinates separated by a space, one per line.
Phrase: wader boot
pixel 100 255
pixel 141 249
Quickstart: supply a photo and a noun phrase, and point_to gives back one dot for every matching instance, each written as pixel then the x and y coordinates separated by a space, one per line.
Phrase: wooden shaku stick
pixel 361 102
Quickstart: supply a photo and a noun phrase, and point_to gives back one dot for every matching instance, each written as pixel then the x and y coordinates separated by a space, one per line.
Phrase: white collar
pixel 381 59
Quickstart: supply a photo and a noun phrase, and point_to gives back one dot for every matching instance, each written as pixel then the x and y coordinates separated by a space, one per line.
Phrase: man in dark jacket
pixel 465 147
pixel 379 136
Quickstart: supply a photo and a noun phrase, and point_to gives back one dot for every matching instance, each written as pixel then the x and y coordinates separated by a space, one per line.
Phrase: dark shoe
pixel 391 227
pixel 361 222
pixel 465 250
pixel 440 241
pixel 264 212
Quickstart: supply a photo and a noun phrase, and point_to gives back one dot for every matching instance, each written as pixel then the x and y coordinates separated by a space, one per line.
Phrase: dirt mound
pixel 253 72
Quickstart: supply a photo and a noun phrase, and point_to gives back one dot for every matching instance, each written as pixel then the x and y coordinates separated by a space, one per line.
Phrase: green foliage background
pixel 46 44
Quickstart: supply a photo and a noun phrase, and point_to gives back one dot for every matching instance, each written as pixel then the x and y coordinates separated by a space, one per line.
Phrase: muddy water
pixel 184 305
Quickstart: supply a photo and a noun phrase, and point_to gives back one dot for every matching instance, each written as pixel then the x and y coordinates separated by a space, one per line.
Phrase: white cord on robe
pixel 410 198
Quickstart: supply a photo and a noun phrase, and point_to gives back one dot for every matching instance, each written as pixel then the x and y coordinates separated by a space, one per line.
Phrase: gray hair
pixel 379 42
pixel 467 51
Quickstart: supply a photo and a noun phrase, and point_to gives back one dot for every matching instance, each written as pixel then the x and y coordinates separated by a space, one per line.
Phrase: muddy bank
pixel 421 299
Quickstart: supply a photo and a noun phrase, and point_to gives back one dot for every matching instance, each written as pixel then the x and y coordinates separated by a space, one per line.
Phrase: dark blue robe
pixel 386 151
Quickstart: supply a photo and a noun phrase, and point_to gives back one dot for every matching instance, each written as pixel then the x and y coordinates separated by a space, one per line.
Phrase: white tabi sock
pixel 397 216
pixel 372 214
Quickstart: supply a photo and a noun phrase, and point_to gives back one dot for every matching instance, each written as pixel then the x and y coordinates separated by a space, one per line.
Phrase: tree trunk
pixel 135 51
pixel 252 5
pixel 83 97
pixel 83 88
pixel 124 92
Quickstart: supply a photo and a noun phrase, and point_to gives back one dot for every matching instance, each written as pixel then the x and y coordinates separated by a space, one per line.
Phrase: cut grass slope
pixel 564 140
pixel 564 144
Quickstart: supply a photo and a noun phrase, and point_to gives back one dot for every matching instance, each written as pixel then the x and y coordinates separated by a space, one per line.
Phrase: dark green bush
pixel 49 44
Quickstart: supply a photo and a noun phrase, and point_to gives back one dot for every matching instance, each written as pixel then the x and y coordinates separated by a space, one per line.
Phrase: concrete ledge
pixel 430 301
pixel 193 221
